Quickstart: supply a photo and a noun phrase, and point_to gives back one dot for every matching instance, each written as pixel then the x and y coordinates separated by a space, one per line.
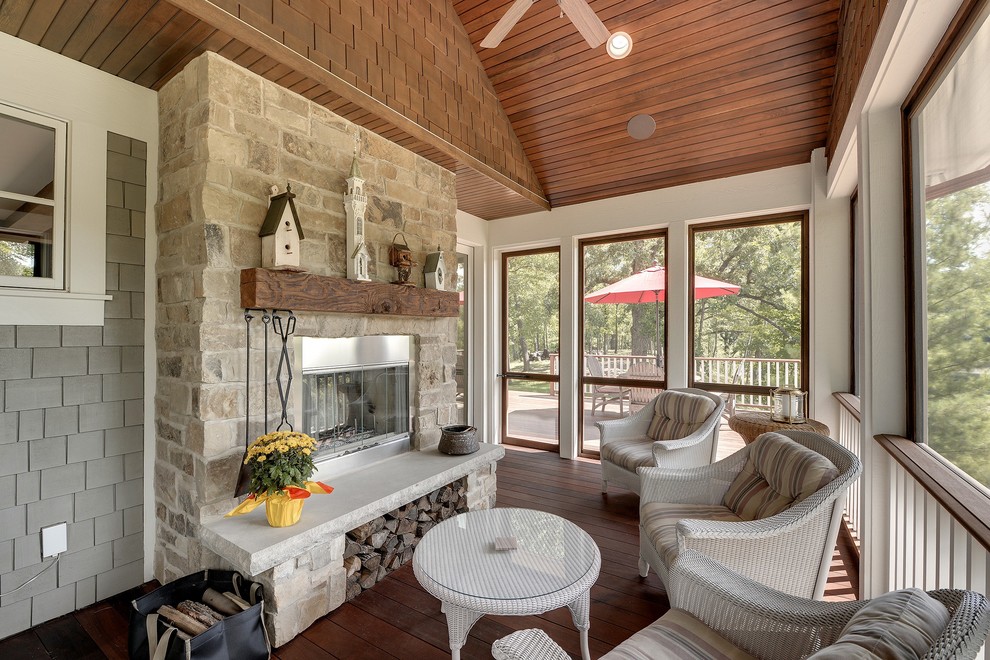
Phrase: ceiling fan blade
pixel 586 21
pixel 506 23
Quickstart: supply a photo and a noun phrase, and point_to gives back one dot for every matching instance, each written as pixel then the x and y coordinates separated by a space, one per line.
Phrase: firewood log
pixel 220 603
pixel 199 611
pixel 184 623
pixel 240 602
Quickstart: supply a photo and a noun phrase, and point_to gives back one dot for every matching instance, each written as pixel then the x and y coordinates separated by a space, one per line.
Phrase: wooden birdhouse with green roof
pixel 281 232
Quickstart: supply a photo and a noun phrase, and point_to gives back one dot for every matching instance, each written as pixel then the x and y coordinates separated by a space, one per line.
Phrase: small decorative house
pixel 355 203
pixel 435 270
pixel 281 232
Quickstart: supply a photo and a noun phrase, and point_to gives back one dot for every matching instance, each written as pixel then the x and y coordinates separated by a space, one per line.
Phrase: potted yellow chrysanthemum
pixel 281 464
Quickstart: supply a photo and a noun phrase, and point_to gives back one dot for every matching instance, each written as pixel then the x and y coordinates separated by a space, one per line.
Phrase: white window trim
pixel 57 280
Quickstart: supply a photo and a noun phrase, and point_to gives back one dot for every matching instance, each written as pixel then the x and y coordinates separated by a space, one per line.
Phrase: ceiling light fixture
pixel 619 45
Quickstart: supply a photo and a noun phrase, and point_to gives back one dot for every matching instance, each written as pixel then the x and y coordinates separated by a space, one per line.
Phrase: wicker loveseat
pixel 677 429
pixel 770 511
pixel 717 613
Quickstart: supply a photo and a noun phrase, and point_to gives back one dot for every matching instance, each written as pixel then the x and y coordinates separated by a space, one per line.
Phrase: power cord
pixel 30 580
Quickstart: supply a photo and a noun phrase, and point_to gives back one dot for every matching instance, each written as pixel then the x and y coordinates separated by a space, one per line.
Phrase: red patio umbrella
pixel 649 286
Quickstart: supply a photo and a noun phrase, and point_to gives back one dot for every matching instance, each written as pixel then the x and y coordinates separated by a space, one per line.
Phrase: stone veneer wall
pixel 72 429
pixel 227 136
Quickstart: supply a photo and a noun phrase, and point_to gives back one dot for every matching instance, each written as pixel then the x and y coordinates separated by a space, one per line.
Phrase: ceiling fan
pixel 581 14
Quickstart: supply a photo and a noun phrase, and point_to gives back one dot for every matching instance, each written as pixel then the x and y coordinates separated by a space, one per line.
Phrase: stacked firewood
pixel 382 545
pixel 192 618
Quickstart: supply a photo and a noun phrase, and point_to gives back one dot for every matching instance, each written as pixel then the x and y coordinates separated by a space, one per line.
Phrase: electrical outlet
pixel 54 540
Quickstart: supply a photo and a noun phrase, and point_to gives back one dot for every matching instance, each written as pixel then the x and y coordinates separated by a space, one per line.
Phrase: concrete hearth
pixel 302 566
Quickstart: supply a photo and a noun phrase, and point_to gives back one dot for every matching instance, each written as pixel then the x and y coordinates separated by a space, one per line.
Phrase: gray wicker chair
pixel 766 623
pixel 790 551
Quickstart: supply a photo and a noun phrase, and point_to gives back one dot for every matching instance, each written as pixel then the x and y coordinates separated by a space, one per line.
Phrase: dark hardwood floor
pixel 397 619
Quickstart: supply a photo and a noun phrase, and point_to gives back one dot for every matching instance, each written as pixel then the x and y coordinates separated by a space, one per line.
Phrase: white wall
pixel 472 234
pixel 785 189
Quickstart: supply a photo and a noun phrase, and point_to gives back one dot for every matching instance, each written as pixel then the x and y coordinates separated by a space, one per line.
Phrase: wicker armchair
pixel 763 622
pixel 790 550
pixel 626 445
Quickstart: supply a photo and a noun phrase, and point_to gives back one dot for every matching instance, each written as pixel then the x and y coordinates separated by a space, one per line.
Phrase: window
pixel 949 150
pixel 32 194
pixel 749 304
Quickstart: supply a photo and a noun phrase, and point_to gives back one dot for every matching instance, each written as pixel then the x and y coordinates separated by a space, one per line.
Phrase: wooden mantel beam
pixel 262 288
pixel 214 15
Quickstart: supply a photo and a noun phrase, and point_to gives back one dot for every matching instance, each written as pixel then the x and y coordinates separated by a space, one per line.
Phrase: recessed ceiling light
pixel 619 45
pixel 641 127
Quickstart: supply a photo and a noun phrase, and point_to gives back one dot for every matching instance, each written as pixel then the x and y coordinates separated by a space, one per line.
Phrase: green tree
pixel 957 271
pixel 764 319
pixel 533 295
pixel 16 259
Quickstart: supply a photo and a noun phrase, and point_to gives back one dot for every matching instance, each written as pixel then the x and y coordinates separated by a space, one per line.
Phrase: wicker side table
pixel 750 425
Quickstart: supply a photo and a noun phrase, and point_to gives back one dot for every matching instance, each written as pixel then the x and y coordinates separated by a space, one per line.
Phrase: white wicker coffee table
pixel 554 565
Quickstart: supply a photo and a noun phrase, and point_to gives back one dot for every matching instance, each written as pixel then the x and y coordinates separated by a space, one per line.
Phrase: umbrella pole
pixel 656 305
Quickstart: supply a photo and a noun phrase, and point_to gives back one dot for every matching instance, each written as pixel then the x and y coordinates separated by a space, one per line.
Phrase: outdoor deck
pixel 397 619
pixel 533 416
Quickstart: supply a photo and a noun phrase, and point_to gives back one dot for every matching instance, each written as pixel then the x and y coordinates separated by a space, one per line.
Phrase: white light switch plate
pixel 54 540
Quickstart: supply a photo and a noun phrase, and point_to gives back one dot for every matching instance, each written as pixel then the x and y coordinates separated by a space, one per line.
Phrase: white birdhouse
pixel 435 270
pixel 281 232
pixel 355 204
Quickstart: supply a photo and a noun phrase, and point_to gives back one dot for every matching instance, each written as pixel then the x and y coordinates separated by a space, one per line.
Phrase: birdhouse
pixel 435 270
pixel 355 203
pixel 281 232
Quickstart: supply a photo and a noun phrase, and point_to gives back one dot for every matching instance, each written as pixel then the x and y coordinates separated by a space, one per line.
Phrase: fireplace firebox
pixel 354 397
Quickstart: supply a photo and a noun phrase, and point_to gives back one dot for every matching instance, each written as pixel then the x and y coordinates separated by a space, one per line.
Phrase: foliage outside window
pixel 31 199
pixel 754 340
pixel 617 325
pixel 533 319
pixel 950 151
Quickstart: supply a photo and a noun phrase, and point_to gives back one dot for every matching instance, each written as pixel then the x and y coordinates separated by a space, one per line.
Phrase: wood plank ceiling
pixel 735 86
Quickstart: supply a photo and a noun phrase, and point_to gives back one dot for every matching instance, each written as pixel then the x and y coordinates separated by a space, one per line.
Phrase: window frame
pixel 967 18
pixel 802 217
pixel 58 203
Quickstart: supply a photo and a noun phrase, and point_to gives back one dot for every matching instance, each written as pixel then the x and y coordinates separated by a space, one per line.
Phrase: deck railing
pixel 938 525
pixel 760 372
pixel 848 435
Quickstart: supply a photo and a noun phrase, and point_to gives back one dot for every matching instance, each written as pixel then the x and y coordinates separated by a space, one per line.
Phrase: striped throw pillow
pixel 778 474
pixel 678 414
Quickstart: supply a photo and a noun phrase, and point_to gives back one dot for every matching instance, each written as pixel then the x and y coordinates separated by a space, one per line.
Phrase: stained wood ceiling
pixel 735 86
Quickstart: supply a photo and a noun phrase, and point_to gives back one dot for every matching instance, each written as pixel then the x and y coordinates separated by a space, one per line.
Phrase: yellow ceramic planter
pixel 283 511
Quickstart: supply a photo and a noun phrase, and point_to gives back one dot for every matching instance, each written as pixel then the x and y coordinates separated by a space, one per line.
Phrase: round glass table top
pixel 551 554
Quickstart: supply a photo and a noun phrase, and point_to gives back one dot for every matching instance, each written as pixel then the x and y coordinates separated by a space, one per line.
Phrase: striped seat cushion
pixel 658 521
pixel 675 636
pixel 629 454
pixel 678 414
pixel 778 474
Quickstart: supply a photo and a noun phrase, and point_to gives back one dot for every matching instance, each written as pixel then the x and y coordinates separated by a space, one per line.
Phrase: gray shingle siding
pixel 72 430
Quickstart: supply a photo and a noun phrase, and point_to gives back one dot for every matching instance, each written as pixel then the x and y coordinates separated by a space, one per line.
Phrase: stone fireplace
pixel 227 136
